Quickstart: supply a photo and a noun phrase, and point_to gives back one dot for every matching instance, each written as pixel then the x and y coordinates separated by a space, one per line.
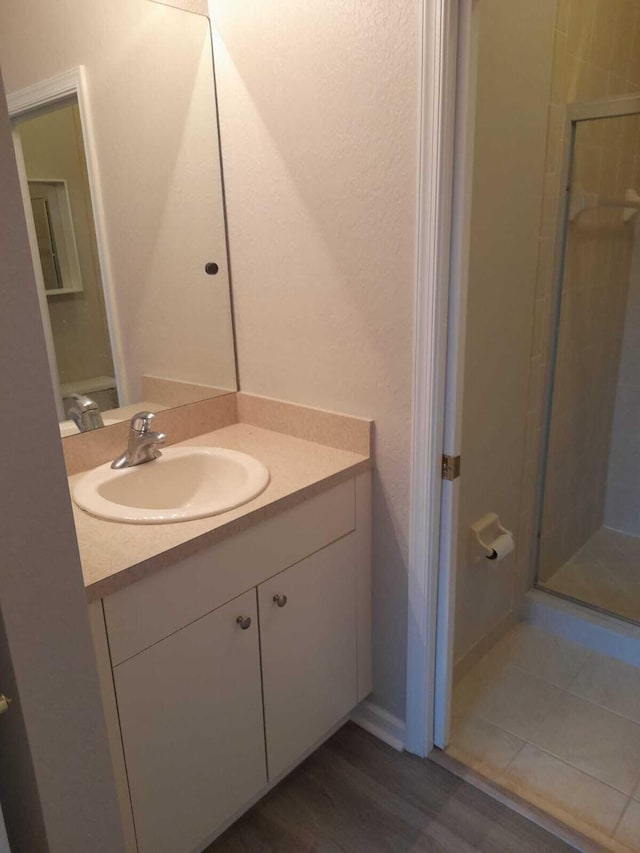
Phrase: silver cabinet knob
pixel 280 600
pixel 244 622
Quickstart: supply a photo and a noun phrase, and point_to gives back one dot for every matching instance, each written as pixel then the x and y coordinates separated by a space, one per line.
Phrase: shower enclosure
pixel 588 543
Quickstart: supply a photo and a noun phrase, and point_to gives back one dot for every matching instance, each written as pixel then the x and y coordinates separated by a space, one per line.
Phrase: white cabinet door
pixel 309 666
pixel 192 728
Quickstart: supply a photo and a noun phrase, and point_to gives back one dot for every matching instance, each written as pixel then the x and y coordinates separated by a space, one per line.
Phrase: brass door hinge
pixel 450 467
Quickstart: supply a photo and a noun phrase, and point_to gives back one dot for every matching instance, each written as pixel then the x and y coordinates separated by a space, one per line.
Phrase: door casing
pixel 446 139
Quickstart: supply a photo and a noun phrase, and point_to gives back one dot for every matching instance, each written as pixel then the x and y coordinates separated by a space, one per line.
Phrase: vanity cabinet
pixel 191 719
pixel 309 666
pixel 224 670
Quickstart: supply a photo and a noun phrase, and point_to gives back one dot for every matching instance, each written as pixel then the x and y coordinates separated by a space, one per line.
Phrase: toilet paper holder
pixel 490 535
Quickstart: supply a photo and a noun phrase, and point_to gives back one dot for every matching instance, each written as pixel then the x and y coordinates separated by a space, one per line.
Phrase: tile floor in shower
pixel 559 726
pixel 605 572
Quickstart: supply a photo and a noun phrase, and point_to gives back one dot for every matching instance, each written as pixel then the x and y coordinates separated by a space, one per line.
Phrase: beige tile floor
pixel 559 726
pixel 604 572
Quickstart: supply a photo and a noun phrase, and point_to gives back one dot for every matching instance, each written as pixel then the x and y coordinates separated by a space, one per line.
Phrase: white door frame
pixel 73 83
pixel 446 127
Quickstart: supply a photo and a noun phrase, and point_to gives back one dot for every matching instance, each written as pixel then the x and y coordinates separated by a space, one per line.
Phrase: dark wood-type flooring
pixel 358 795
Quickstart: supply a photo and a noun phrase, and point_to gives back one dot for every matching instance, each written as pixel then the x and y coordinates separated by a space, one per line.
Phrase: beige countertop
pixel 114 554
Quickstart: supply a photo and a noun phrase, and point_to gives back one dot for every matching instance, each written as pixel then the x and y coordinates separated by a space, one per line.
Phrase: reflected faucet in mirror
pixel 85 413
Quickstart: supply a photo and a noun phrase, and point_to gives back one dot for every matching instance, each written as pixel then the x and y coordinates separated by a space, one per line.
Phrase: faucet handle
pixel 141 422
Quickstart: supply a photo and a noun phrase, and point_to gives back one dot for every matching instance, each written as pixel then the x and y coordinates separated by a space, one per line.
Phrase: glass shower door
pixel 589 525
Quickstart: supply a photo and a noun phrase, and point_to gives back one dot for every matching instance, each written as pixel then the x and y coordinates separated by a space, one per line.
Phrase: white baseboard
pixel 380 723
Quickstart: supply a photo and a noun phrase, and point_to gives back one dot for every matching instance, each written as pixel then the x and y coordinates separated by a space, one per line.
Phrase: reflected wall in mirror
pixel 590 526
pixel 75 316
pixel 115 123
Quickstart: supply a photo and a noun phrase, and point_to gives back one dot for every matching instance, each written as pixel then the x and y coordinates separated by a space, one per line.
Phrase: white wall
pixel 56 784
pixel 199 7
pixel 151 90
pixel 319 117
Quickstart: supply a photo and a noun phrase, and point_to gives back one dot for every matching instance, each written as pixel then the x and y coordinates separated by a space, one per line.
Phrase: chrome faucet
pixel 85 414
pixel 143 442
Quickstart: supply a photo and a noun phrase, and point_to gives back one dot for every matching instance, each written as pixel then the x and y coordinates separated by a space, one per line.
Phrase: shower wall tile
pixel 562 19
pixel 581 25
pixel 634 64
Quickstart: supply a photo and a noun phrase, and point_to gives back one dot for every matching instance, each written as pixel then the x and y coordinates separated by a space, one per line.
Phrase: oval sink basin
pixel 183 484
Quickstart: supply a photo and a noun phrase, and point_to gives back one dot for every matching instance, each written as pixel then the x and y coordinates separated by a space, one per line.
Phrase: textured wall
pixel 596 55
pixel 199 7
pixel 150 83
pixel 319 116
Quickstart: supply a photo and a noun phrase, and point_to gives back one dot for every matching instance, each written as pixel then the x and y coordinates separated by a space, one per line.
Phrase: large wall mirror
pixel 114 115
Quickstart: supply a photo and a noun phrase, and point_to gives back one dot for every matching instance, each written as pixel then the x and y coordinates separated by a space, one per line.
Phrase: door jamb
pixel 438 361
